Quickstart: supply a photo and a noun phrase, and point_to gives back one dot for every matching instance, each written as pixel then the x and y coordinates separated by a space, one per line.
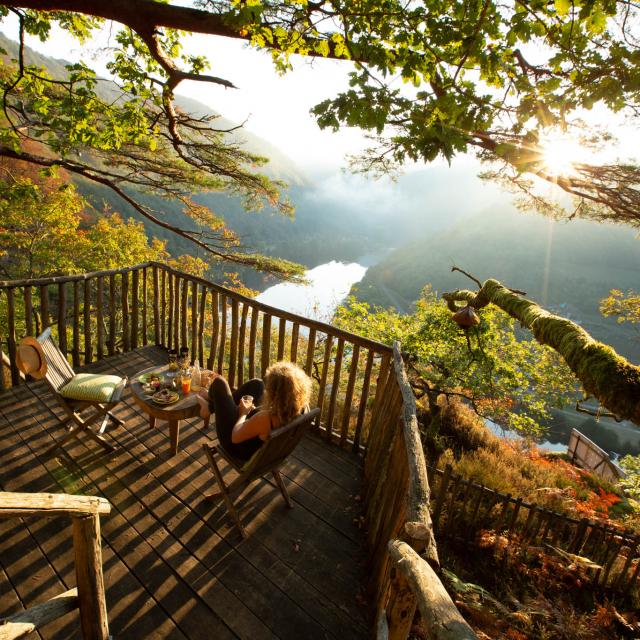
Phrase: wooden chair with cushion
pixel 268 459
pixel 75 392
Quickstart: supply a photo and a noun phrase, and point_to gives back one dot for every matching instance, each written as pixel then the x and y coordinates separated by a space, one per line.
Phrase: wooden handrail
pixel 398 519
pixel 439 613
pixel 50 504
pixel 77 277
pixel 232 295
pixel 418 526
pixel 89 596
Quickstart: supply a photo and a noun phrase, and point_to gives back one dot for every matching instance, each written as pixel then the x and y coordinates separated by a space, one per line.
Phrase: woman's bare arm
pixel 245 429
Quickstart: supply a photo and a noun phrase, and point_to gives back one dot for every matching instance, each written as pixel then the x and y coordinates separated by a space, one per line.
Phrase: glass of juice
pixel 186 382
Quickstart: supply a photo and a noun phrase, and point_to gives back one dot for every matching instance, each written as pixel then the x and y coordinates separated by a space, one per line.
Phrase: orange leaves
pixel 597 505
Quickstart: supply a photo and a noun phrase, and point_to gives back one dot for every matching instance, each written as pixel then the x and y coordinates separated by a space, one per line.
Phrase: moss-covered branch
pixel 604 374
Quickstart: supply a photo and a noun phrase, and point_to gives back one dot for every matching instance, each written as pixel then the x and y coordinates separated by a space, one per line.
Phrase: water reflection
pixel 616 438
pixel 329 284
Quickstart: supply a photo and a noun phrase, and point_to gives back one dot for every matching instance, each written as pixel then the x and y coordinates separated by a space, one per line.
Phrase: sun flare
pixel 561 153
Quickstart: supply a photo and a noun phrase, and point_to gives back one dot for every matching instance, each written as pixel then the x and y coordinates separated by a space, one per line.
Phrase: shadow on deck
pixel 174 565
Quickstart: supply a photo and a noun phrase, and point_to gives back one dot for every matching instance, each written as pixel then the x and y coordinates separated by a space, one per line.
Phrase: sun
pixel 561 153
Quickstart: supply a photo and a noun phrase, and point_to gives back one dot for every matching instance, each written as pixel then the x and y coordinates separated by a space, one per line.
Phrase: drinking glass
pixel 173 360
pixel 186 381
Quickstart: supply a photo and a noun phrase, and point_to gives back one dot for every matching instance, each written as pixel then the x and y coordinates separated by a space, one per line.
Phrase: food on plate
pixel 166 396
pixel 151 378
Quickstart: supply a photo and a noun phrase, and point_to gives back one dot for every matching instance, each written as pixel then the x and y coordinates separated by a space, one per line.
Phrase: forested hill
pixel 567 267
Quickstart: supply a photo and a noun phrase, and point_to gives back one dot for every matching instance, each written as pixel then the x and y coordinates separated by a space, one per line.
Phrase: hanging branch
pixel 605 375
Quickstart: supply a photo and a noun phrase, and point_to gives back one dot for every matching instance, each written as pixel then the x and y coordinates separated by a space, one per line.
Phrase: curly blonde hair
pixel 287 390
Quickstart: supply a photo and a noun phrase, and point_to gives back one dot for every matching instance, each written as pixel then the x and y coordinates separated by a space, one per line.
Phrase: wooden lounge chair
pixel 40 358
pixel 268 459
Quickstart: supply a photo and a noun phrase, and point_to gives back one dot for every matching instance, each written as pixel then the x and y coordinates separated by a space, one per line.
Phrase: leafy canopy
pixel 128 135
pixel 45 232
pixel 429 79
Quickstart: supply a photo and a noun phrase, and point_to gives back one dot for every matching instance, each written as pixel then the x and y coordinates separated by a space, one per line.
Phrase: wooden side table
pixel 186 407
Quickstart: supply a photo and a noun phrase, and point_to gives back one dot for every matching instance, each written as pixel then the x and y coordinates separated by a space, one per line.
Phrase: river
pixel 328 285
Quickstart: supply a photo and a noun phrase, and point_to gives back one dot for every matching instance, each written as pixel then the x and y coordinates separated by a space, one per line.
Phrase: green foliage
pixel 130 134
pixel 507 379
pixel 626 306
pixel 39 229
pixel 430 79
pixel 631 483
pixel 44 233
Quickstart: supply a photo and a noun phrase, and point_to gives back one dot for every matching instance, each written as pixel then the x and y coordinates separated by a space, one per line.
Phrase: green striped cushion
pixel 90 387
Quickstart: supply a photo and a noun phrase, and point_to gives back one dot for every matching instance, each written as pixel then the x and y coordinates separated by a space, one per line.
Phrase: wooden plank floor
pixel 174 565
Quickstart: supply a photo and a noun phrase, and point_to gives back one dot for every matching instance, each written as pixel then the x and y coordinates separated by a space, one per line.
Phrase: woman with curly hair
pixel 246 417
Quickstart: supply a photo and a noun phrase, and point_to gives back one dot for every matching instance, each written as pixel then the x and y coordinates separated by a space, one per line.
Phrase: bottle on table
pixel 196 377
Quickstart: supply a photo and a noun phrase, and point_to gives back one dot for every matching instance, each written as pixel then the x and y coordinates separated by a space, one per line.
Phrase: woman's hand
pixel 245 407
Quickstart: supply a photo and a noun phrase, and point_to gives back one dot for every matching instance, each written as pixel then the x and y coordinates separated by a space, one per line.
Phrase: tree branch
pixel 90 173
pixel 604 374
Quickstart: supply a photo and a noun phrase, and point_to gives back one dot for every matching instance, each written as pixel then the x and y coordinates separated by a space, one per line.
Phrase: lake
pixel 328 285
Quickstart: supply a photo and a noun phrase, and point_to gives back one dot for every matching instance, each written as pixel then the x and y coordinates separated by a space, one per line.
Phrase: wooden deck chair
pixel 75 392
pixel 268 459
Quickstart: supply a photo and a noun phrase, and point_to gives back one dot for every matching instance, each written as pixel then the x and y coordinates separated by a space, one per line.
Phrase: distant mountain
pixel 565 266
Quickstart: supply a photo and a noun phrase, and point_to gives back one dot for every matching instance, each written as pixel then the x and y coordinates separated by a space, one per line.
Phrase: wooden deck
pixel 174 565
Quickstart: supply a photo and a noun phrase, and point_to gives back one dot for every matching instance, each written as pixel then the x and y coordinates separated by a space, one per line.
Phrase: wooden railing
pixel 463 507
pixel 94 315
pixel 402 547
pixel 88 596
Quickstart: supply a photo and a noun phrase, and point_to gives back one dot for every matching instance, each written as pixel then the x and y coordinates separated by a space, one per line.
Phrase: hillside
pixel 279 167
pixel 567 267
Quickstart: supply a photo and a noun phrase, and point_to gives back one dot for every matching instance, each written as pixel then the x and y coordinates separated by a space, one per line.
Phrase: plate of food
pixel 165 396
pixel 149 378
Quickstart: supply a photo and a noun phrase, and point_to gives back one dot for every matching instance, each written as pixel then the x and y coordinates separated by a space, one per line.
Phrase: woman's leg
pixel 254 387
pixel 221 403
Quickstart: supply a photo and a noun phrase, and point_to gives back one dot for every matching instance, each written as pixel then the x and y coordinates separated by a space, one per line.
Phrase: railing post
pixel 88 347
pixel 89 579
pixel 111 345
pixel 75 351
pixel 401 607
pixel 124 297
pixel 100 317
pixel 156 306
pixel 11 337
pixel 135 308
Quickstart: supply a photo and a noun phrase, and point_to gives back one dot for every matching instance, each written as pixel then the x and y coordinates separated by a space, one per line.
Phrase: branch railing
pixel 402 548
pixel 94 315
pixel 88 596
pixel 462 508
